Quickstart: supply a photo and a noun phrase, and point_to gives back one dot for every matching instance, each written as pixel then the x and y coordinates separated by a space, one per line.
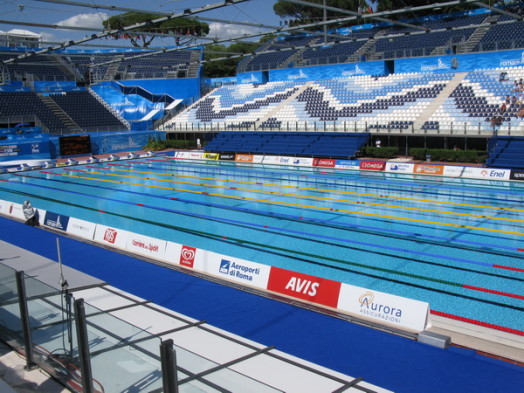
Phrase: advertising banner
pixel 56 221
pixel 427 169
pixel 81 228
pixel 145 245
pixel 486 173
pixel 211 156
pixel 372 165
pixel 189 155
pixel 218 265
pixel 348 164
pixel 282 160
pixel 244 158
pixel 453 170
pixel 517 175
pixel 112 237
pixel 14 210
pixel 324 162
pixel 302 286
pixel 383 307
pixel 399 167
pixel 227 157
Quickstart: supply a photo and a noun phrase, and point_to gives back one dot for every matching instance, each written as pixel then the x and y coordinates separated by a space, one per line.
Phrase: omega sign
pixel 372 165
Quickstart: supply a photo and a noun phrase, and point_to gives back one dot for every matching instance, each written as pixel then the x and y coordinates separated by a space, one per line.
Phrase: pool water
pixel 454 243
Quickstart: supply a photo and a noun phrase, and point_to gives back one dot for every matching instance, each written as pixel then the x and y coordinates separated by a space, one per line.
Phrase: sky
pixel 44 12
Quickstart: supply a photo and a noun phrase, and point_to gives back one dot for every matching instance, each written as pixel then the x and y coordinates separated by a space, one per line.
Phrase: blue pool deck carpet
pixel 393 362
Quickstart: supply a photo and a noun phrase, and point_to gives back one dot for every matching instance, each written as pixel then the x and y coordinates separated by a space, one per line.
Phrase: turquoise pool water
pixel 454 243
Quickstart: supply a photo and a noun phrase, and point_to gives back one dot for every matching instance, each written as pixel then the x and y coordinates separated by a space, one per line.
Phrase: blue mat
pixel 392 362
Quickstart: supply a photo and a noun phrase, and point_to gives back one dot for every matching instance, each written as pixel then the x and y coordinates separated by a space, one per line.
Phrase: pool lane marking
pixel 287 216
pixel 249 224
pixel 307 206
pixel 301 196
pixel 331 238
pixel 358 178
pixel 319 190
pixel 318 198
pixel 479 323
pixel 288 252
pixel 370 227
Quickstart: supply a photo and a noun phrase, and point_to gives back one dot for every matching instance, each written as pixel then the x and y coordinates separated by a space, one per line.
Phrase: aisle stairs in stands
pixel 478 34
pixel 439 100
pixel 291 98
pixel 59 112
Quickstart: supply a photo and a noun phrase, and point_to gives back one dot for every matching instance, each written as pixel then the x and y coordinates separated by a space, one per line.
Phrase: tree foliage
pixel 227 66
pixel 178 26
pixel 299 14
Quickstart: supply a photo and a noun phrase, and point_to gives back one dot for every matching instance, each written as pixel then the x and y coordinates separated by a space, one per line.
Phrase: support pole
pixel 169 374
pixel 83 346
pixel 24 319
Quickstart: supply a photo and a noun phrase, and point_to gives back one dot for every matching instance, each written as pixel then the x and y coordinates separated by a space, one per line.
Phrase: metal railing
pixel 456 129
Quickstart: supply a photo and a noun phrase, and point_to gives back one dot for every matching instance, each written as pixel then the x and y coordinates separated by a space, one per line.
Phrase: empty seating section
pixel 86 111
pixel 506 152
pixel 357 103
pixel 334 145
pixel 476 100
pixel 271 60
pixel 392 41
pixel 502 36
pixel 38 68
pixel 331 53
pixel 154 66
pixel 81 66
pixel 420 44
pixel 28 107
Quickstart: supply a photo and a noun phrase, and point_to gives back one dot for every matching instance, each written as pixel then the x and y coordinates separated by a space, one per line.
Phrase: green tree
pixel 229 55
pixel 147 33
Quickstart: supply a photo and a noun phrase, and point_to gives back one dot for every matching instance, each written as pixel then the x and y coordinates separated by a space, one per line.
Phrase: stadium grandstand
pixel 424 86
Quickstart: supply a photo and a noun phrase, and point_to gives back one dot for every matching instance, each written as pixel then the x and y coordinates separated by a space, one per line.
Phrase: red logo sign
pixel 110 235
pixel 372 165
pixel 303 286
pixel 187 256
pixel 324 162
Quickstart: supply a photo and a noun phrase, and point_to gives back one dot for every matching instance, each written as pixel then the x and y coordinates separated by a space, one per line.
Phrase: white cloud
pixel 225 31
pixel 47 36
pixel 85 20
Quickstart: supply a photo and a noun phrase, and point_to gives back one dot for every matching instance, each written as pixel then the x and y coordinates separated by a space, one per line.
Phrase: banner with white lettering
pixel 302 286
pixel 384 308
pixel 56 221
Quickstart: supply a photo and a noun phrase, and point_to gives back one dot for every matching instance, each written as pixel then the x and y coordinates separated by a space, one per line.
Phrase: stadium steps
pixel 439 100
pixel 59 112
pixel 110 108
pixel 194 65
pixel 362 51
pixel 284 103
pixel 477 35
pixel 112 69
pixel 66 67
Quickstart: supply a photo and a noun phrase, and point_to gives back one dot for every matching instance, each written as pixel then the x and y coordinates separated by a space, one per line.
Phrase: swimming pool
pixel 454 243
